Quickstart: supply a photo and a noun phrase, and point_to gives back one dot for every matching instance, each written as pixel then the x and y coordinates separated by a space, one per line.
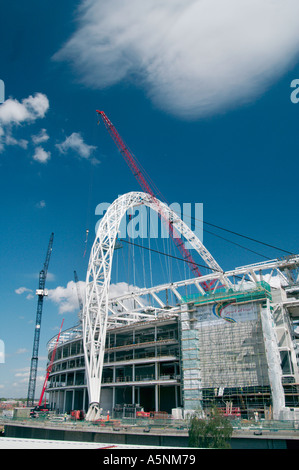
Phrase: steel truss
pixel 96 308
pixel 101 312
pixel 135 307
pixel 122 313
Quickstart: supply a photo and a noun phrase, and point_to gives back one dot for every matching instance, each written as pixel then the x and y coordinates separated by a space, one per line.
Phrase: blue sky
pixel 212 124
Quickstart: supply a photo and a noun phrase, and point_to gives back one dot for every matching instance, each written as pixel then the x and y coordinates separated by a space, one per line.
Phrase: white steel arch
pixel 95 313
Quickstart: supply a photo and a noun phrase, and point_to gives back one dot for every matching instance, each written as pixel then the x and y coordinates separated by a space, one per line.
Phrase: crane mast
pixel 142 180
pixel 41 293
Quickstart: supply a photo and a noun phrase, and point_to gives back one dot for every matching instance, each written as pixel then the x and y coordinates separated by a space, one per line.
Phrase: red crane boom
pixel 49 368
pixel 141 178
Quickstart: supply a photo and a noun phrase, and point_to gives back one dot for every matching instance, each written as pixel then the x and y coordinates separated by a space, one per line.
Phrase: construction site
pixel 235 349
pixel 165 352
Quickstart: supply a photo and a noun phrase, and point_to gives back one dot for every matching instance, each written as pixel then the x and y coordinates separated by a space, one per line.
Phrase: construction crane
pixel 41 293
pixel 49 369
pixel 141 177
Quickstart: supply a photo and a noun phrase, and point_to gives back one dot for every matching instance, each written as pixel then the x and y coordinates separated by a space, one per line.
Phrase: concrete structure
pixel 33 434
pixel 235 348
pixel 229 342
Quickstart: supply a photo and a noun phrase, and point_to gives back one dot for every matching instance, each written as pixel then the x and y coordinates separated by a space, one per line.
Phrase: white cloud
pixel 40 155
pixel 1 139
pixel 193 58
pixel 66 297
pixel 121 288
pixel 29 109
pixel 22 375
pixel 10 140
pixel 41 137
pixel 14 113
pixel 76 143
pixel 21 290
pixel 37 105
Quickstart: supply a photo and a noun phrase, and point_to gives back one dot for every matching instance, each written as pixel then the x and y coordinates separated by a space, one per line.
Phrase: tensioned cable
pixel 236 233
pixel 237 244
pixel 209 223
pixel 225 229
pixel 170 256
pixel 248 238
pixel 217 226
pixel 229 241
pixel 177 258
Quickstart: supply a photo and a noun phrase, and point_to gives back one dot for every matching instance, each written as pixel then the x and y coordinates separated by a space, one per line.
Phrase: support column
pixel 113 397
pixel 133 387
pixel 157 385
pixel 273 359
pixel 84 397
pixel 64 399
pixel 73 399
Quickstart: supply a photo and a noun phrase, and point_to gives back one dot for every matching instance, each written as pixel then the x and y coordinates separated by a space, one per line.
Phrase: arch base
pixel 94 412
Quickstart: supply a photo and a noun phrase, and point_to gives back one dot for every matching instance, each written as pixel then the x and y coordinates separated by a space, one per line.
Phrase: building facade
pixel 234 348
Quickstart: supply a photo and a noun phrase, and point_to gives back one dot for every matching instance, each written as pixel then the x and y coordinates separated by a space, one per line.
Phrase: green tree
pixel 213 431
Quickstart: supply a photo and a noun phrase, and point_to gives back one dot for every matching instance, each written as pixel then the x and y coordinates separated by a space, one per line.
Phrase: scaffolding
pixel 223 356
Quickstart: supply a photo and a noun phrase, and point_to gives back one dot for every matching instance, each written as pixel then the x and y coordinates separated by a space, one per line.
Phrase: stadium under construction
pixel 226 338
pixel 223 338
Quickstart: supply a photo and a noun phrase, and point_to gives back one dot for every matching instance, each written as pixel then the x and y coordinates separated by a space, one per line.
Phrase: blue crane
pixel 41 293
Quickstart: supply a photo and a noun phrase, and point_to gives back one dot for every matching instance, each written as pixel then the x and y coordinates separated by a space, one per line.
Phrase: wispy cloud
pixel 41 204
pixel 10 140
pixel 21 351
pixel 22 290
pixel 76 144
pixel 192 58
pixel 41 137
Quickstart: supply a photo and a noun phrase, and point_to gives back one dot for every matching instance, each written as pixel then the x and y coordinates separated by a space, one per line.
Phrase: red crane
pixel 139 174
pixel 49 368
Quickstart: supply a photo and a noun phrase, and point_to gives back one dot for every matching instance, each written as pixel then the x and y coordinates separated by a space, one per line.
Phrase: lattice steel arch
pixel 98 276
